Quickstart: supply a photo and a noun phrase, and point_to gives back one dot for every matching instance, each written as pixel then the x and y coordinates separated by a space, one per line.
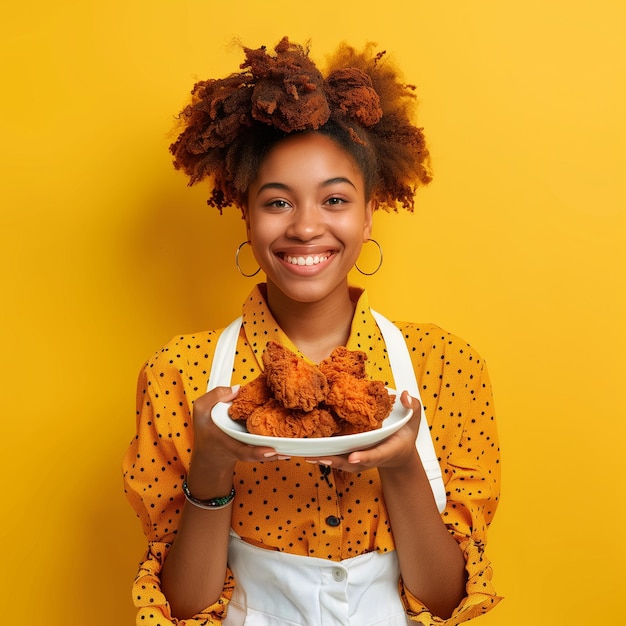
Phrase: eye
pixel 277 204
pixel 335 201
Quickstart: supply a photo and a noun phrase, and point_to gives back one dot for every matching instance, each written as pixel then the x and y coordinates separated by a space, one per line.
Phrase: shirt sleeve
pixel 458 399
pixel 154 467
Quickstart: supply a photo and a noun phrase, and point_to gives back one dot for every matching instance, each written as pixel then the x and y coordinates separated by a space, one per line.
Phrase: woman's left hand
pixel 391 452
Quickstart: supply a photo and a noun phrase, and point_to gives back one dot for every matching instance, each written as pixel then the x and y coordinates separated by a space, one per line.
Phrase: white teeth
pixel 308 260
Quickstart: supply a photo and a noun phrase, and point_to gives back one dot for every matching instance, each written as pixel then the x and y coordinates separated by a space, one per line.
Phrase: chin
pixel 306 292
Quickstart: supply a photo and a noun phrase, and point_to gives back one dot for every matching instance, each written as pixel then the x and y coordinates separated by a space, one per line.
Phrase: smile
pixel 306 260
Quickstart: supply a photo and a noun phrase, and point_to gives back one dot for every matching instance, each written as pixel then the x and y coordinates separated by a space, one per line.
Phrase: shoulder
pixel 430 336
pixel 429 342
pixel 181 353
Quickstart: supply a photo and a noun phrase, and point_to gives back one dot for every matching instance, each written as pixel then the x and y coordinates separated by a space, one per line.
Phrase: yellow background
pixel 517 246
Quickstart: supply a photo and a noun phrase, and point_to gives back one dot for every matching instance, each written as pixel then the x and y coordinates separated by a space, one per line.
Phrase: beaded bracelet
pixel 213 503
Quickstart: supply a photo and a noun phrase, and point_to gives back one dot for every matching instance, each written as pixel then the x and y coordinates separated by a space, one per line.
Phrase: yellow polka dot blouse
pixel 291 505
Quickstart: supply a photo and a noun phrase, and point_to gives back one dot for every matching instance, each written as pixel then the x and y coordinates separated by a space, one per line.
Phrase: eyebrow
pixel 326 183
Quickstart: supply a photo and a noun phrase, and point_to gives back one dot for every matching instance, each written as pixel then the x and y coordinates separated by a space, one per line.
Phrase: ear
pixel 245 215
pixel 370 207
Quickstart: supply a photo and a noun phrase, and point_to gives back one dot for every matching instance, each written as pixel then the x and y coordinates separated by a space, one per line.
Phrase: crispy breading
pixel 361 402
pixel 294 382
pixel 251 396
pixel 344 361
pixel 274 420
pixel 293 398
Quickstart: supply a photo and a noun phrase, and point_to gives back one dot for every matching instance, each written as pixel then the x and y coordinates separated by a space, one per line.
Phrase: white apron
pixel 280 589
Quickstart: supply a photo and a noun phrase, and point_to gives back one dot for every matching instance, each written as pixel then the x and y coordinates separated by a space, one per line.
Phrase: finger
pixel 388 450
pixel 331 461
pixel 206 402
pixel 256 454
pixel 415 405
pixel 338 462
pixel 223 394
pixel 372 457
pixel 410 402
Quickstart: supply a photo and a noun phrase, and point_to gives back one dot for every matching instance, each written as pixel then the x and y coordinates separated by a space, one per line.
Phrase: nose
pixel 306 222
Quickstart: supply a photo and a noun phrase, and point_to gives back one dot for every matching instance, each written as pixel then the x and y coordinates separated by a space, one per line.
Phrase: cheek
pixel 260 235
pixel 356 229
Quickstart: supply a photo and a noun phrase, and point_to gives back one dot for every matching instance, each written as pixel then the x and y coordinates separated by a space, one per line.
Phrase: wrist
pixel 207 480
pixel 404 468
pixel 219 502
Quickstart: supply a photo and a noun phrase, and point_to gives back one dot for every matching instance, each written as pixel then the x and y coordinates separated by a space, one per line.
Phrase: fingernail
pixel 408 397
pixel 283 458
pixel 357 460
pixel 267 455
pixel 235 388
pixel 325 462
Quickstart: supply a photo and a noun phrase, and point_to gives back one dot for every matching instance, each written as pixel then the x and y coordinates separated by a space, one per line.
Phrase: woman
pixel 240 534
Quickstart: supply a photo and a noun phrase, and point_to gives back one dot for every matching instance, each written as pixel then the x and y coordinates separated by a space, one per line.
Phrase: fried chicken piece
pixel 295 383
pixel 264 419
pixel 274 420
pixel 293 398
pixel 363 403
pixel 344 361
pixel 251 396
pixel 347 428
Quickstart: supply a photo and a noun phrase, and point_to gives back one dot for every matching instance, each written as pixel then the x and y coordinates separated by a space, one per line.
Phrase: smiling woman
pixel 391 532
pixel 307 217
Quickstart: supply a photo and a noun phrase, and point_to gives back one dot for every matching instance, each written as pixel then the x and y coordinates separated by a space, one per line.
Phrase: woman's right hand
pixel 215 453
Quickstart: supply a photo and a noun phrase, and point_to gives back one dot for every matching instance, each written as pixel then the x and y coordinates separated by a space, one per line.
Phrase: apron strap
pixel 404 376
pixel 224 358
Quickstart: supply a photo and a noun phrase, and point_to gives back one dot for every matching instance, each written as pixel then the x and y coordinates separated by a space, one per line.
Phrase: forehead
pixel 308 156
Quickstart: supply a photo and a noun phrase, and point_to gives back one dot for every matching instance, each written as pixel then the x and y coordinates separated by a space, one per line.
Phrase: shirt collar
pixel 260 326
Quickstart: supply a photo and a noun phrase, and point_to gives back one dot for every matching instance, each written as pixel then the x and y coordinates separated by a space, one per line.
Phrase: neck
pixel 316 328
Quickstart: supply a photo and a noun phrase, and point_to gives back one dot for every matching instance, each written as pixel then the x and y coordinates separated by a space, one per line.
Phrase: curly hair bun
pixel 351 92
pixel 232 122
pixel 289 89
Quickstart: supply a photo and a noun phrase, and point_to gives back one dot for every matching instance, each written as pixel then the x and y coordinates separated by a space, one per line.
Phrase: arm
pixel 438 576
pixel 193 573
pixel 155 464
pixel 431 563
pixel 195 568
pixel 457 392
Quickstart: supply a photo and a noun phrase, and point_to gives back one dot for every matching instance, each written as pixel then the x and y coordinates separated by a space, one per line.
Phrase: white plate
pixel 315 446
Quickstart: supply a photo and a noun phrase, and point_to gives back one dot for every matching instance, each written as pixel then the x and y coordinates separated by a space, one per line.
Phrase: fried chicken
pixel 344 361
pixel 294 382
pixel 363 403
pixel 293 398
pixel 274 420
pixel 251 396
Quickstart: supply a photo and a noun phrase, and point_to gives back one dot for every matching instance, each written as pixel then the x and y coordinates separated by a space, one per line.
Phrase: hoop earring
pixel 380 262
pixel 237 262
